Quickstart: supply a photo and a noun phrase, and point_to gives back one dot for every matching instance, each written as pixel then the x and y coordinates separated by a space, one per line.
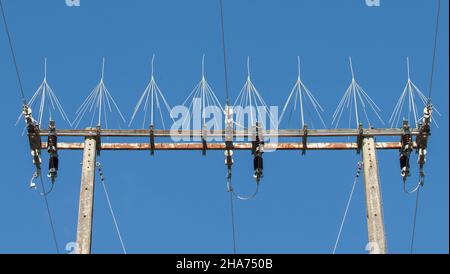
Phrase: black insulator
pixel 258 165
pixel 53 163
pixel 404 162
pixel 53 167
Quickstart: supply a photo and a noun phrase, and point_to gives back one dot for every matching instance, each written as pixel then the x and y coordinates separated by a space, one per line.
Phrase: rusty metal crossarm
pixel 282 133
pixel 222 146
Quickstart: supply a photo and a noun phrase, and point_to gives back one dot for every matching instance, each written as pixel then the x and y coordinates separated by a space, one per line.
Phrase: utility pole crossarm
pixel 281 133
pixel 222 146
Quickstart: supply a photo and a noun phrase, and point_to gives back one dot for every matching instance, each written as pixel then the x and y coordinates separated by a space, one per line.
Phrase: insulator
pixel 53 167
pixel 258 167
pixel 406 139
pixel 52 143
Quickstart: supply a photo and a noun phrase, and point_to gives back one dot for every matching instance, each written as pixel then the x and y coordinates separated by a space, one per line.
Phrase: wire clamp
pixel 405 150
pixel 305 139
pixel 152 140
pixel 52 148
pixel 359 139
pixel 98 137
pixel 204 140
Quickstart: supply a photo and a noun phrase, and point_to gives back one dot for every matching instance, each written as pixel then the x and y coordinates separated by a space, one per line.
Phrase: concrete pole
pixel 85 210
pixel 374 205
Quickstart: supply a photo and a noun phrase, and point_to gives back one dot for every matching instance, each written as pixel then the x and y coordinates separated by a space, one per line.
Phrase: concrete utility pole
pixel 85 211
pixel 374 205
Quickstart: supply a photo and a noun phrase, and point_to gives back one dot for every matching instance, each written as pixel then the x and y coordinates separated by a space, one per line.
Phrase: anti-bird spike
pixel 154 95
pixel 301 94
pixel 249 99
pixel 99 103
pixel 48 102
pixel 355 99
pixel 205 96
pixel 410 94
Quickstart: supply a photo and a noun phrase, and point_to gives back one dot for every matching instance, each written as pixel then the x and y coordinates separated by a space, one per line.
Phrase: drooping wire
pixel 358 172
pixel 433 65
pixel 102 180
pixel 13 54
pixel 49 214
pixel 240 197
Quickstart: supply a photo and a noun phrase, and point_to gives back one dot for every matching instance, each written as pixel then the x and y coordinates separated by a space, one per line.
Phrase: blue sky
pixel 176 202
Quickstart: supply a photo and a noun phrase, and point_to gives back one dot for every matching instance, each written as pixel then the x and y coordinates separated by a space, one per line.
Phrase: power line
pixel 433 63
pixel 233 226
pixel 414 222
pixel 24 101
pixel 49 213
pixel 227 94
pixel 8 34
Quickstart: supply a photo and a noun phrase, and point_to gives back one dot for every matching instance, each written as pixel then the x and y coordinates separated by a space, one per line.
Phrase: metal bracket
pixel 258 150
pixel 34 137
pixel 52 148
pixel 359 139
pixel 304 139
pixel 204 142
pixel 152 140
pixel 405 150
pixel 99 139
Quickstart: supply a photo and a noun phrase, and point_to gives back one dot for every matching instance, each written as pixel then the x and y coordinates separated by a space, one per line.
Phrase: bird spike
pixel 355 97
pixel 301 94
pixel 205 95
pixel 48 102
pixel 410 94
pixel 249 99
pixel 154 95
pixel 99 103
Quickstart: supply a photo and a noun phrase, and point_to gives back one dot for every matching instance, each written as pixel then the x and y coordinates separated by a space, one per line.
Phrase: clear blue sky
pixel 177 202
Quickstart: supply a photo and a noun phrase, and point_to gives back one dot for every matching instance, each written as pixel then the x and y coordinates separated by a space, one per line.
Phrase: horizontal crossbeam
pixel 282 133
pixel 222 146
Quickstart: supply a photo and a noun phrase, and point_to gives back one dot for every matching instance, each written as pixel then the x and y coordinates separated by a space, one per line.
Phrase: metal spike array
pixel 152 98
pixel 48 102
pixel 152 103
pixel 301 94
pixel 99 103
pixel 252 103
pixel 203 97
pixel 355 99
pixel 410 113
